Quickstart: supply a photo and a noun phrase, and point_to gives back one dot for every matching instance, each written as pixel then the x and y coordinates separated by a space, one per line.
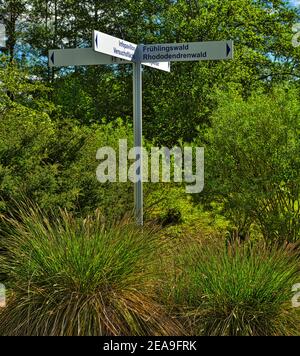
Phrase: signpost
pixel 2 35
pixel 80 57
pixel 114 46
pixel 182 52
pixel 119 48
pixel 138 139
pixel 111 50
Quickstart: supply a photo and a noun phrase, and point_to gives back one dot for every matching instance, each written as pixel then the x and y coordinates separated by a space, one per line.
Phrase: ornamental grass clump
pixel 238 291
pixel 68 276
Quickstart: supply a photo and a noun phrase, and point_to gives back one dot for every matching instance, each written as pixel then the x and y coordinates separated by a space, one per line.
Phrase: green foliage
pixel 80 277
pixel 239 291
pixel 179 215
pixel 49 136
pixel 56 167
pixel 87 101
pixel 264 55
pixel 252 161
pixel 52 161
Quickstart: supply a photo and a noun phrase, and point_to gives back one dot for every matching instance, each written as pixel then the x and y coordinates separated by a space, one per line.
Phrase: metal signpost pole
pixel 111 50
pixel 138 134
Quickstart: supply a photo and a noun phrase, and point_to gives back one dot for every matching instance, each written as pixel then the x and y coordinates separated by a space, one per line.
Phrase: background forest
pixel 242 232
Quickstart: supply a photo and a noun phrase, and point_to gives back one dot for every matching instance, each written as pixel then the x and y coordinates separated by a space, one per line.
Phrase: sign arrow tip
pixel 96 40
pixel 52 57
pixel 228 49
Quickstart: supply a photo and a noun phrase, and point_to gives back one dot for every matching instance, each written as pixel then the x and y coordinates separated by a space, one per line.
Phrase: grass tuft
pixel 80 277
pixel 241 291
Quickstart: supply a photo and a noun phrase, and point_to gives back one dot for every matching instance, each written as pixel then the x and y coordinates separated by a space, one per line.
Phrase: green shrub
pixel 54 164
pixel 80 277
pixel 240 291
pixel 52 160
pixel 252 162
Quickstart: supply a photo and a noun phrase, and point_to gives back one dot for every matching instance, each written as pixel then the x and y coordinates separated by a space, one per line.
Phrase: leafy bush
pixel 244 290
pixel 49 160
pixel 252 162
pixel 80 277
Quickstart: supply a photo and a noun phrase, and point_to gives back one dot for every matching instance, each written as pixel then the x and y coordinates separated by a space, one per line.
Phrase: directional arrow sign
pixel 181 52
pixel 113 46
pixel 80 57
pixel 119 48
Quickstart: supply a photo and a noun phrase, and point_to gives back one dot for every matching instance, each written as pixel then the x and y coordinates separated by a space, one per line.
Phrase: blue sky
pixel 295 2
